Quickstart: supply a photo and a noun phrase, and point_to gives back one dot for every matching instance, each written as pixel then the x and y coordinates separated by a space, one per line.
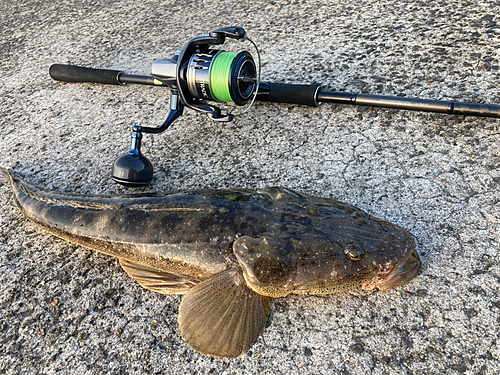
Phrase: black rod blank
pixel 412 104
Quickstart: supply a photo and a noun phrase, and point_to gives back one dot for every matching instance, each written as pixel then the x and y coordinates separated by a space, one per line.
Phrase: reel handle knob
pixel 133 169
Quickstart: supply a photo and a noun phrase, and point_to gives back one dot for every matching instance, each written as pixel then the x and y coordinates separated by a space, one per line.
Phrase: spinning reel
pixel 198 74
pixel 195 74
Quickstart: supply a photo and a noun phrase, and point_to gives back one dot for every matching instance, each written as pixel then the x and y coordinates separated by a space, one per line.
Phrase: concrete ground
pixel 67 310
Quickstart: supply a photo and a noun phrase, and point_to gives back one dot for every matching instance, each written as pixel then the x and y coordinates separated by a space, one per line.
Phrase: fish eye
pixel 354 252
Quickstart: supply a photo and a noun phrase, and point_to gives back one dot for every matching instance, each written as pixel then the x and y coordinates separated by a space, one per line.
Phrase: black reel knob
pixel 133 169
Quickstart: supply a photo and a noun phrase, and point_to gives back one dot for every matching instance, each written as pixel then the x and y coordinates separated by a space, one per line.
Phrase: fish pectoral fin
pixel 156 280
pixel 221 316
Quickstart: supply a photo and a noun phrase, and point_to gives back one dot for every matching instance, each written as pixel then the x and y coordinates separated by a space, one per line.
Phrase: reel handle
pixel 73 73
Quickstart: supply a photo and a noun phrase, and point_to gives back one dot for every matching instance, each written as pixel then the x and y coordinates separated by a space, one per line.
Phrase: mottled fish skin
pixel 188 233
pixel 229 248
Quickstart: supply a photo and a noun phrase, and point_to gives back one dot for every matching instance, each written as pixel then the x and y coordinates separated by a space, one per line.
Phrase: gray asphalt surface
pixel 67 310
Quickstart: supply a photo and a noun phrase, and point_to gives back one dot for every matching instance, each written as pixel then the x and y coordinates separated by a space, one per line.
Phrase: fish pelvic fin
pixel 156 280
pixel 221 316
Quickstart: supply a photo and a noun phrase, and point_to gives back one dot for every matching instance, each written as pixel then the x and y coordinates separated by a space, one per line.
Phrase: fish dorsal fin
pixel 279 193
pixel 221 316
pixel 156 280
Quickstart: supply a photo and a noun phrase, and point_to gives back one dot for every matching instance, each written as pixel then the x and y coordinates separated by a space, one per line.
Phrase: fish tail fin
pixel 15 182
pixel 8 173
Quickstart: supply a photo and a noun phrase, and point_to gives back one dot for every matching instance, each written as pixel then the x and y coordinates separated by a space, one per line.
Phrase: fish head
pixel 324 248
pixel 314 265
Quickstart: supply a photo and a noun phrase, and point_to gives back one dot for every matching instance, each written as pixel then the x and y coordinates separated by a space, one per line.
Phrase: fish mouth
pixel 405 269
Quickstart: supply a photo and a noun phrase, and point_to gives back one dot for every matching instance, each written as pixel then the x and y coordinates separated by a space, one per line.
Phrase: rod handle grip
pixel 288 93
pixel 73 73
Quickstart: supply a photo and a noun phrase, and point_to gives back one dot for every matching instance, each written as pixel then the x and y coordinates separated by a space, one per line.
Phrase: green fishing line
pixel 219 76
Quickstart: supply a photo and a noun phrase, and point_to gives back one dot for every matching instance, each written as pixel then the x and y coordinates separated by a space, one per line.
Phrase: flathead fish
pixel 229 251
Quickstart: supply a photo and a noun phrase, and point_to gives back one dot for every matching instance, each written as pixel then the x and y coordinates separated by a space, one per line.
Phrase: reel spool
pixel 222 76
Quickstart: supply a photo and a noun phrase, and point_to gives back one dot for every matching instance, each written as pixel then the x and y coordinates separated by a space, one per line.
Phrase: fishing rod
pixel 198 74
